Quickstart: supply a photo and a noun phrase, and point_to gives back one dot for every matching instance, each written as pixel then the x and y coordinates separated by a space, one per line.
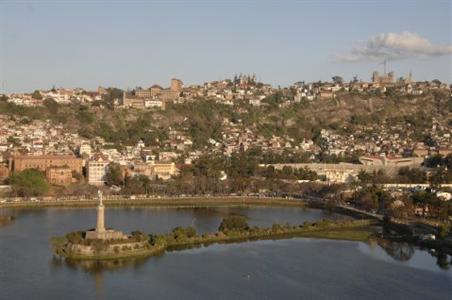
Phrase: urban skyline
pixel 86 44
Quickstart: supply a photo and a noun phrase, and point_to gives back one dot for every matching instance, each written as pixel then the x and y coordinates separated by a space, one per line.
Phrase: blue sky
pixel 139 43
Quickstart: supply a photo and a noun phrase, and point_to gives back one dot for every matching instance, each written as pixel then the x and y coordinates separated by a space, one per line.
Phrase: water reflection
pixel 402 251
pixel 398 251
pixel 95 267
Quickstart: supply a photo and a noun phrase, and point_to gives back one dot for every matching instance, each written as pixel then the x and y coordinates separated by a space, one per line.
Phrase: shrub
pixel 233 223
pixel 75 237
pixel 190 232
pixel 276 227
pixel 443 231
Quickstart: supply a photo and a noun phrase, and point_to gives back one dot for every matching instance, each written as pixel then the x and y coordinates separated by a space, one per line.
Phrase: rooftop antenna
pixel 384 63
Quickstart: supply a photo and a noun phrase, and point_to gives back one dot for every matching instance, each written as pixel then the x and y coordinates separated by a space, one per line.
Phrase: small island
pixel 102 243
pixel 107 244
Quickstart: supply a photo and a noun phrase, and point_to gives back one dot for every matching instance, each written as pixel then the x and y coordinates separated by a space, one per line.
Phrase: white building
pixel 255 102
pixel 84 149
pixel 148 103
pixel 96 169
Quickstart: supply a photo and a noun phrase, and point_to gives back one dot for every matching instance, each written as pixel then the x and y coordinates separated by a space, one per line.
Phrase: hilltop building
pixel 176 85
pixel 387 78
pixel 155 90
pixel 143 93
pixel 132 101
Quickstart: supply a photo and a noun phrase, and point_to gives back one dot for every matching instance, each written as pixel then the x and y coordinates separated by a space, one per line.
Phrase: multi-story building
pixel 163 170
pixel 386 161
pixel 155 90
pixel 132 101
pixel 168 95
pixel 59 175
pixel 154 103
pixel 143 93
pixel 154 169
pixel 4 172
pixel 18 163
pixel 176 85
pixel 96 169
pixel 383 79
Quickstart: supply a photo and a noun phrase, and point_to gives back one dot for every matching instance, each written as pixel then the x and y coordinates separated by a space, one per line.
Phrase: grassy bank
pixel 359 234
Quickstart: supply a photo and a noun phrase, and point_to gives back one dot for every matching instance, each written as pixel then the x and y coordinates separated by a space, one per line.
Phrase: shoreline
pixel 176 202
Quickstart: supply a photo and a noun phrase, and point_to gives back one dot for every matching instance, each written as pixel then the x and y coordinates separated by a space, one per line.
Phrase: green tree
pixel 36 95
pixel 51 105
pixel 337 79
pixel 30 182
pixel 412 175
pixel 443 231
pixel 190 232
pixel 233 223
pixel 364 177
pixel 137 185
pixel 13 140
pixel 113 175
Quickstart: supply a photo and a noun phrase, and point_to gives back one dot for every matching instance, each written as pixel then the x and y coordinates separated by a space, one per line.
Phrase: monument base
pixel 105 235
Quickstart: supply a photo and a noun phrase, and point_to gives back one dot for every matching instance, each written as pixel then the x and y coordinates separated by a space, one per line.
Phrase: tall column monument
pixel 100 227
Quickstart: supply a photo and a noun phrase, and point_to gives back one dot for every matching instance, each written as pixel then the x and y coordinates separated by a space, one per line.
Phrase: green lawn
pixel 353 234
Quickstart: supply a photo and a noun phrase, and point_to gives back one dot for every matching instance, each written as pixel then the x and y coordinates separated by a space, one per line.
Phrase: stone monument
pixel 101 233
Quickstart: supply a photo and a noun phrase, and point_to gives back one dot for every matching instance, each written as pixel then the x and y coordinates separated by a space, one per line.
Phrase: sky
pixel 83 43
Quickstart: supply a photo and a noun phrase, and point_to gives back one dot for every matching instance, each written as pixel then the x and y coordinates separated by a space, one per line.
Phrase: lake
pixel 297 268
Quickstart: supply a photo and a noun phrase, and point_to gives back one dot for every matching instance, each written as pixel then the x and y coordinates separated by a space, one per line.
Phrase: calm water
pixel 283 269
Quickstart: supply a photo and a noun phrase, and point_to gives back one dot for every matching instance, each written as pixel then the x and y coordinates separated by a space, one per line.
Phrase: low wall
pixel 110 250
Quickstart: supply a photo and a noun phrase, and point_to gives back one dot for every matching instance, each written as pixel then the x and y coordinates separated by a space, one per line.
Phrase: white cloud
pixel 394 46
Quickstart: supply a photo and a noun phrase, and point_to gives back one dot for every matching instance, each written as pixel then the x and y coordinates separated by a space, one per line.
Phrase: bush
pixel 234 223
pixel 190 232
pixel 443 231
pixel 75 237
pixel 276 227
pixel 139 236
